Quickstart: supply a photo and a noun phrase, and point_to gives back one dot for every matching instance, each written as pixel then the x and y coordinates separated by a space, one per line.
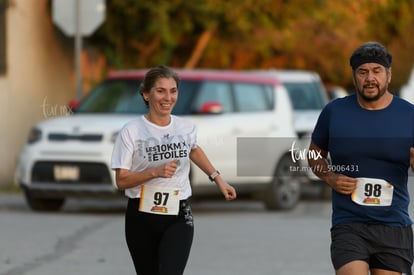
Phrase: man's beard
pixel 380 93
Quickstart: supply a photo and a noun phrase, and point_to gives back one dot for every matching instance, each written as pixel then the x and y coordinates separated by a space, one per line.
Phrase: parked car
pixel 245 125
pixel 335 92
pixel 308 96
pixel 307 93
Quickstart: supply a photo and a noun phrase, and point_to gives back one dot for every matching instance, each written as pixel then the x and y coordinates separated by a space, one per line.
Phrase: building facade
pixel 37 78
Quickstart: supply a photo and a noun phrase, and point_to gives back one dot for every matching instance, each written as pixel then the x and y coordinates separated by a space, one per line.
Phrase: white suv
pixel 308 96
pixel 245 125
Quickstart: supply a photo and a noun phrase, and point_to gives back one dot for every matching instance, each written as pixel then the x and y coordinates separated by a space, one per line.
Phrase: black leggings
pixel 159 244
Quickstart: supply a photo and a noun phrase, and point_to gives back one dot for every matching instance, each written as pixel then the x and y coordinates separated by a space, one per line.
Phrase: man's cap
pixel 370 52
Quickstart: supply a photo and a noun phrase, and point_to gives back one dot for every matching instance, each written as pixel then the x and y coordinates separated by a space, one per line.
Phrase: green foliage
pixel 392 23
pixel 317 35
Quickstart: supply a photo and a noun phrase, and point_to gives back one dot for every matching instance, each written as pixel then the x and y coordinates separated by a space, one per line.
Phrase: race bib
pixel 159 200
pixel 373 192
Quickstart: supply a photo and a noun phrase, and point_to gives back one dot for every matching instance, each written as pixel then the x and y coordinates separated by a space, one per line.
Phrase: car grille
pixel 66 137
pixel 89 173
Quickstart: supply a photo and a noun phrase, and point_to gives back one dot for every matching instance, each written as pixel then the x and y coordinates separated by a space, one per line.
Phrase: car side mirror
pixel 211 107
pixel 73 105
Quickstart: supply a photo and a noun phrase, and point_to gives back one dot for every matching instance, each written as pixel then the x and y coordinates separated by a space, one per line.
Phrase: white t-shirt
pixel 141 145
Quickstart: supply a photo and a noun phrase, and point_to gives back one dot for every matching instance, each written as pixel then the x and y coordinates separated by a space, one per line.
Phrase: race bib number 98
pixel 159 200
pixel 373 192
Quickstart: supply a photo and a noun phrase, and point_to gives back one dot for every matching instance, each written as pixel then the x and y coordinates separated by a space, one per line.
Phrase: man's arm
pixel 341 183
pixel 319 165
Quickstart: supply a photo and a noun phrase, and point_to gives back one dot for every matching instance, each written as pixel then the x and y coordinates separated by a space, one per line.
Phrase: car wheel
pixel 284 190
pixel 43 204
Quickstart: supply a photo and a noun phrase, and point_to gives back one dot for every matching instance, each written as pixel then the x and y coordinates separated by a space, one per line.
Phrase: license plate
pixel 66 172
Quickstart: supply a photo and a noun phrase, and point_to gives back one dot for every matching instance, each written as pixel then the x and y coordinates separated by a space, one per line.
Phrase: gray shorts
pixel 382 247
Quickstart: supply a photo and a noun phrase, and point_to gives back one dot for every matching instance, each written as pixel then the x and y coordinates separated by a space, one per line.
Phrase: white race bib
pixel 373 192
pixel 159 200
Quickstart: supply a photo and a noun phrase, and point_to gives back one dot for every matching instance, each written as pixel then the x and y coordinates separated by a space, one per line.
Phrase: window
pixel 187 89
pixel 114 96
pixel 305 95
pixel 251 97
pixel 215 91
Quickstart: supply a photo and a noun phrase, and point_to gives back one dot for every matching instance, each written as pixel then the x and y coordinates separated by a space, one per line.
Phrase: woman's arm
pixel 198 156
pixel 127 179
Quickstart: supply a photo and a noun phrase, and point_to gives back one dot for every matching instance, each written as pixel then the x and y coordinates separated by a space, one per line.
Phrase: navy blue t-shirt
pixel 369 144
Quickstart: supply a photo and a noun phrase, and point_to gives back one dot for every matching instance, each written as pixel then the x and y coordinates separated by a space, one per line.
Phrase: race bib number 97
pixel 373 192
pixel 159 200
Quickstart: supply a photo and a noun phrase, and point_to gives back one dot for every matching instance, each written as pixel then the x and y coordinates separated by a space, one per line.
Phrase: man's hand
pixel 341 183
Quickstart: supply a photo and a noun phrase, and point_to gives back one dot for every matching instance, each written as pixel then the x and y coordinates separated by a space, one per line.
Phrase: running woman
pixel 151 158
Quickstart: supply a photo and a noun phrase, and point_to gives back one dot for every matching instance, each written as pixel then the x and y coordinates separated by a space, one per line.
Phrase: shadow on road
pixel 15 202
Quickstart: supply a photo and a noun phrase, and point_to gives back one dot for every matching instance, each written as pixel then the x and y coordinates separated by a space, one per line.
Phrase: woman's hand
pixel 166 170
pixel 227 190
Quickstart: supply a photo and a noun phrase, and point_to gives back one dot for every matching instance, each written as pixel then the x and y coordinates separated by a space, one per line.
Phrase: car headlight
pixel 35 135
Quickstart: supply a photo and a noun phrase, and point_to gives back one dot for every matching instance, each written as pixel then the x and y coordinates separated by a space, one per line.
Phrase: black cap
pixel 370 52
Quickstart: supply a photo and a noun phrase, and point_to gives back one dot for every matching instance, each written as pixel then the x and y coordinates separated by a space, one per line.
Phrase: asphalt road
pixel 231 238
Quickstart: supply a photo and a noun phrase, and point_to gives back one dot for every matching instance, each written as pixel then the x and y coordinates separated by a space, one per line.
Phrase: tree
pixel 253 34
pixel 392 23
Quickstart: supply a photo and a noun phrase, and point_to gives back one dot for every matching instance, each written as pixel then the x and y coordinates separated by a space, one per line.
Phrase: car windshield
pixel 305 96
pixel 121 96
